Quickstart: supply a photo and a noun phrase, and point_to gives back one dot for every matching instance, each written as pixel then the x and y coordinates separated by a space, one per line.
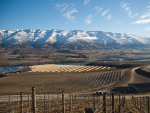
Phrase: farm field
pixel 48 78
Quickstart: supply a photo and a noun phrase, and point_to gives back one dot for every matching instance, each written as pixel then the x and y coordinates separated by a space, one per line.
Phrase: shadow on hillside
pixel 142 72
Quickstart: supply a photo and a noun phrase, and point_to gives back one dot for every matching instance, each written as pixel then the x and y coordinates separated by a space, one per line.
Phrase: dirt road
pixel 131 77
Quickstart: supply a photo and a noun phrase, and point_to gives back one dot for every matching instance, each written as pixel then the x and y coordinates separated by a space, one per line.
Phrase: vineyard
pixel 82 81
pixel 142 103
pixel 50 82
pixel 60 103
pixel 95 80
pixel 55 83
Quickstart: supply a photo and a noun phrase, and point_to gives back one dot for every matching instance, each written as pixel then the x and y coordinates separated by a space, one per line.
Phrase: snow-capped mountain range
pixel 41 38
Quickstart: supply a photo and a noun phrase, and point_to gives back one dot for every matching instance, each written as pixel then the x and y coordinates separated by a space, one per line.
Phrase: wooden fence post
pixel 48 101
pixel 124 100
pixel 70 102
pixel 58 101
pixel 63 102
pixel 113 102
pixel 44 102
pixel 17 101
pixel 119 103
pixel 28 100
pixel 21 101
pixel 9 104
pixel 148 104
pixel 137 101
pixel 140 102
pixel 33 100
pixel 110 97
pixel 94 102
pixel 104 102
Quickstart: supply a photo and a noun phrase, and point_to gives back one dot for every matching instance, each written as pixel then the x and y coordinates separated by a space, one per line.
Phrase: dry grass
pixel 130 108
pixel 79 103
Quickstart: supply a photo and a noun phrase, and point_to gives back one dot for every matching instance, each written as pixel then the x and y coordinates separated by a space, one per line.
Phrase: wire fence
pixel 142 103
pixel 61 103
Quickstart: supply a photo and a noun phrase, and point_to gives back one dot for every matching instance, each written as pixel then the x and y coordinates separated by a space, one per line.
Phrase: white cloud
pixel 67 10
pixel 105 12
pixel 88 19
pixel 96 7
pixel 108 17
pixel 58 6
pixel 145 18
pixel 99 10
pixel 128 9
pixel 145 15
pixel 124 5
pixel 117 22
pixel 147 28
pixel 142 21
pixel 69 16
pixel 86 2
pixel 64 8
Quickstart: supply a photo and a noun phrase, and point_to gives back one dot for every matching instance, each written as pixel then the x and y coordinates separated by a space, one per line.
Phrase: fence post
pixel 63 102
pixel 18 100
pixel 21 101
pixel 33 100
pixel 140 102
pixel 94 101
pixel 112 102
pixel 110 97
pixel 137 101
pixel 119 103
pixel 28 101
pixel 148 104
pixel 9 104
pixel 124 100
pixel 48 101
pixel 104 102
pixel 70 102
pixel 58 101
pixel 44 102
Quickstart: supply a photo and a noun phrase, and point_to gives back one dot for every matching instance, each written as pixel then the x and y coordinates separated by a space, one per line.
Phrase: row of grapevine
pixel 96 80
pixel 60 103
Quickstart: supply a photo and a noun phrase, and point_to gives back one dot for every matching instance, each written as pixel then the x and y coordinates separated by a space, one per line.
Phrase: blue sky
pixel 117 16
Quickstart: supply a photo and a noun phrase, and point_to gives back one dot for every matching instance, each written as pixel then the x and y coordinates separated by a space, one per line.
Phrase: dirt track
pixel 131 77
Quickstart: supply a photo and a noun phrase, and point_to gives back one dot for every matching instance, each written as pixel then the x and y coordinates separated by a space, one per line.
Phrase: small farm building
pixel 133 88
pixel 140 87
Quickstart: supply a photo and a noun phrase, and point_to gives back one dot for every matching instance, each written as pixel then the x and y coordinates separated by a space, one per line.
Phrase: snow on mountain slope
pixel 42 37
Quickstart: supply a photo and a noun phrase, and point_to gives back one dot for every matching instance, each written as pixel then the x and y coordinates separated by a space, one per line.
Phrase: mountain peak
pixel 40 37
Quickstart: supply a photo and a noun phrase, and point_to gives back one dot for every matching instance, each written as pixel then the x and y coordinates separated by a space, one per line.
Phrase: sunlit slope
pixel 66 68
